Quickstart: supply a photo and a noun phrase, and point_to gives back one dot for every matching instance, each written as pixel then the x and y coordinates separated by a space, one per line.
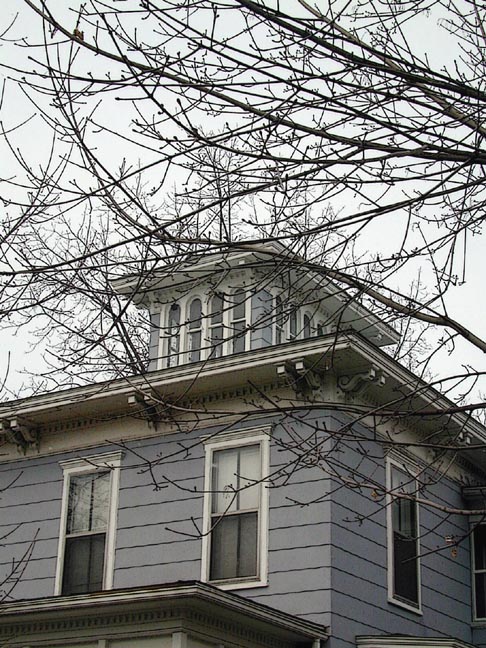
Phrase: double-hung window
pixel 216 308
pixel 88 524
pixel 279 320
pixel 479 570
pixel 403 538
pixel 236 511
pixel 195 330
pixel 174 335
pixel 238 321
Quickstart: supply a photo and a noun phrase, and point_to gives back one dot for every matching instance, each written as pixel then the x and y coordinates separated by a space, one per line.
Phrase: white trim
pixel 401 641
pixel 235 440
pixel 405 467
pixel 84 465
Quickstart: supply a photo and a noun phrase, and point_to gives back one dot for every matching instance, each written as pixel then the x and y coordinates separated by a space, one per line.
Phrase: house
pixel 274 479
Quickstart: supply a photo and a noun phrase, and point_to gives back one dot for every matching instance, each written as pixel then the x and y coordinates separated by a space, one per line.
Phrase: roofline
pixel 124 285
pixel 312 348
pixel 168 593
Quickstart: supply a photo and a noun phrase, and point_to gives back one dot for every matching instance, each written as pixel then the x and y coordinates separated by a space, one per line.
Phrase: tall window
pixel 216 326
pixel 195 329
pixel 88 522
pixel 293 323
pixel 279 320
pixel 479 571
pixel 238 321
pixel 236 508
pixel 174 330
pixel 403 538
pixel 307 327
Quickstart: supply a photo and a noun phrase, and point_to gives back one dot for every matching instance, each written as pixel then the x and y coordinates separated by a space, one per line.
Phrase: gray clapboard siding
pixel 157 574
pixel 158 551
pixel 479 636
pixel 289 514
pixel 359 564
pixel 303 602
pixel 305 557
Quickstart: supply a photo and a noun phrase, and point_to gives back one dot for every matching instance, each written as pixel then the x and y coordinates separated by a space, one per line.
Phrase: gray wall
pixel 359 577
pixel 157 537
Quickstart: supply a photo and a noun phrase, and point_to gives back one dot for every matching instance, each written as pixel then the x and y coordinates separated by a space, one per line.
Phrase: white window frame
pixel 83 466
pixel 224 442
pixel 475 522
pixel 411 471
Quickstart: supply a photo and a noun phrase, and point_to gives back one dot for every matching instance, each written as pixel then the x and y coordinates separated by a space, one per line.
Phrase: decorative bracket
pixel 20 433
pixel 359 382
pixel 464 437
pixel 306 381
pixel 145 406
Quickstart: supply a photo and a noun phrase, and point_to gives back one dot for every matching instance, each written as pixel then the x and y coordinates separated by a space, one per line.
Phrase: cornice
pixel 232 378
pixel 401 641
pixel 190 607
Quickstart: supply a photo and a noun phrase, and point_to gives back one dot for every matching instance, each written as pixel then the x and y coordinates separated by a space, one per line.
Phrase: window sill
pixel 238 584
pixel 406 606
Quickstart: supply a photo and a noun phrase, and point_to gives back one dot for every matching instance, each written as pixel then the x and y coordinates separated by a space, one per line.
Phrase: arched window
pixel 174 331
pixel 279 320
pixel 321 330
pixel 216 310
pixel 306 329
pixel 293 323
pixel 238 321
pixel 194 327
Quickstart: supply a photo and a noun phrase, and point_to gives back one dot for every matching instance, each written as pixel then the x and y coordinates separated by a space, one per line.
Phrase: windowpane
pixel 479 539
pixel 405 568
pixel 239 305
pixel 88 498
pixel 293 324
pixel 239 333
pixel 238 321
pixel 233 470
pixel 216 341
pixel 307 326
pixel 225 469
pixel 174 335
pixel 279 320
pixel 83 564
pixel 234 547
pixel 195 346
pixel 174 317
pixel 480 547
pixel 217 307
pixel 250 476
pixel 216 326
pixel 480 592
pixel 195 314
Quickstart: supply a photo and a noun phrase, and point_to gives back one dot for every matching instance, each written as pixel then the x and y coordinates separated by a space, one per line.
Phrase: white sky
pixel 466 303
